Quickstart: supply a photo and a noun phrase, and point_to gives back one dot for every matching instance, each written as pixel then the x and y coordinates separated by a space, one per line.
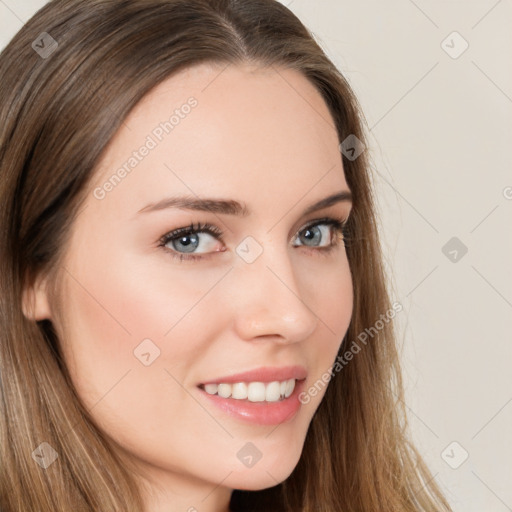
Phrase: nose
pixel 270 302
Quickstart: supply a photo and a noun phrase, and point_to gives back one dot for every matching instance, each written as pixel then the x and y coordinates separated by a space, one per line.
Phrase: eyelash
pixel 339 227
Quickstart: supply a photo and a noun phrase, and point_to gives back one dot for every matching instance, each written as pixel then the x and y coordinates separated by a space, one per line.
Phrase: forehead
pixel 215 127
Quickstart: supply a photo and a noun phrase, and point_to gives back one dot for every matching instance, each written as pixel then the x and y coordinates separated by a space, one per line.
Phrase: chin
pixel 265 474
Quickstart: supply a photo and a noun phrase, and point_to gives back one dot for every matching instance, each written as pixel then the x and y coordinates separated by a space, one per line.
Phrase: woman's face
pixel 143 331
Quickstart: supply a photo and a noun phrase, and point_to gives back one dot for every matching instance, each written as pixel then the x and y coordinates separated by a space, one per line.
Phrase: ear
pixel 35 302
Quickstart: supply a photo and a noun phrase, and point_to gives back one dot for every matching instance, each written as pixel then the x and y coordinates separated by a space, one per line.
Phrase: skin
pixel 259 136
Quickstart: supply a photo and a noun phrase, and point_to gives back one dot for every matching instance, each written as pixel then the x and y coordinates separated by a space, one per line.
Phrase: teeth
pixel 273 391
pixel 253 391
pixel 224 390
pixel 256 392
pixel 211 388
pixel 239 390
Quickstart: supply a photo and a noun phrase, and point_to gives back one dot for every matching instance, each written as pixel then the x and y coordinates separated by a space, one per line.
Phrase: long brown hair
pixel 60 105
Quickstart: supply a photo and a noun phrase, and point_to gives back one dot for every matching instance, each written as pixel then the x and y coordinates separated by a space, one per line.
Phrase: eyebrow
pixel 232 207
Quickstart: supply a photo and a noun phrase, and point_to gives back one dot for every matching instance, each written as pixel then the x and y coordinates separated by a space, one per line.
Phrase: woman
pixel 193 305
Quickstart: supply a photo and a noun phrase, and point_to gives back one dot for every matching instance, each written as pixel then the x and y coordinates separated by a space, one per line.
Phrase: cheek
pixel 118 313
pixel 109 317
pixel 333 304
pixel 336 295
pixel 330 297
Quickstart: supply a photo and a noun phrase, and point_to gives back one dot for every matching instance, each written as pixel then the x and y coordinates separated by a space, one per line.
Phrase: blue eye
pixel 188 239
pixel 322 235
pixel 316 235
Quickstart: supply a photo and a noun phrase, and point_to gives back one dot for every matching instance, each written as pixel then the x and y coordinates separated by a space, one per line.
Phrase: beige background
pixel 440 127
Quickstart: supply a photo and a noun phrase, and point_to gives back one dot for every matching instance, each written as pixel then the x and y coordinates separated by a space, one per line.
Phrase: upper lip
pixel 263 374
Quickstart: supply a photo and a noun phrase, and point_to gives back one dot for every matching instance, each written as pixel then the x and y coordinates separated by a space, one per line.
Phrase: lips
pixel 258 413
pixel 263 374
pixel 263 396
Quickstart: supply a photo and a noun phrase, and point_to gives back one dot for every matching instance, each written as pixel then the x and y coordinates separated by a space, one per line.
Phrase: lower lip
pixel 260 413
